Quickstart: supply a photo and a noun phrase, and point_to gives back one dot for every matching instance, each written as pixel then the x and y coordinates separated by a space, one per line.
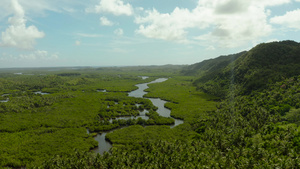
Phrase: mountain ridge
pixel 245 72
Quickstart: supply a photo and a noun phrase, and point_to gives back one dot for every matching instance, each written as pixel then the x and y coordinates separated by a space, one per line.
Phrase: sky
pixel 56 33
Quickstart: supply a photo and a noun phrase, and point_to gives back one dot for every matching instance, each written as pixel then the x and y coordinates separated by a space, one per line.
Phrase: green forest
pixel 239 111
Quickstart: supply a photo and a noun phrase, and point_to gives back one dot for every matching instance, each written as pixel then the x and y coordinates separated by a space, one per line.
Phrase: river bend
pixel 104 145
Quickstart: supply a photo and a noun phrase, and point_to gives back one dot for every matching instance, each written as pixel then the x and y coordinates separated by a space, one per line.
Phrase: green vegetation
pixel 253 70
pixel 185 101
pixel 34 127
pixel 211 67
pixel 35 145
pixel 119 106
pixel 137 134
pixel 239 111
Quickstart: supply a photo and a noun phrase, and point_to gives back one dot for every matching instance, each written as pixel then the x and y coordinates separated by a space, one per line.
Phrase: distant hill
pixel 245 72
pixel 211 65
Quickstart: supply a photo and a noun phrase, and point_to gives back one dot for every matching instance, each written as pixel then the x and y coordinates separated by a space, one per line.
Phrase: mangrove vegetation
pixel 239 111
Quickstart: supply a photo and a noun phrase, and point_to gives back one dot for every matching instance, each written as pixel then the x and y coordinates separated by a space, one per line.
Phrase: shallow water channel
pixel 104 145
pixel 7 99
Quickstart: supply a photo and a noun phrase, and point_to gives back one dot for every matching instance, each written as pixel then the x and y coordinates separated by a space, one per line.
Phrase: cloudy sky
pixel 44 33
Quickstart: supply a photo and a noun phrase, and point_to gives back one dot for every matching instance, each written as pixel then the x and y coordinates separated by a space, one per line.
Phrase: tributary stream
pixel 104 145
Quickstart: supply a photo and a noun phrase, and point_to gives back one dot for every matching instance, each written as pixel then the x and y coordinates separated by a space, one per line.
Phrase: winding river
pixel 104 145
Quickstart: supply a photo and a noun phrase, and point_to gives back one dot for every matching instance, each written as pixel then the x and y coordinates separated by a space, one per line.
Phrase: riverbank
pixel 105 144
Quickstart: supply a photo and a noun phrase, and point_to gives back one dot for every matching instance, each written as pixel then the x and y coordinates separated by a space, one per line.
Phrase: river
pixel 104 145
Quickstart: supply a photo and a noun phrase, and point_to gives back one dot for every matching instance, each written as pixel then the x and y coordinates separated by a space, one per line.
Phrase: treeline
pixel 69 74
pixel 53 83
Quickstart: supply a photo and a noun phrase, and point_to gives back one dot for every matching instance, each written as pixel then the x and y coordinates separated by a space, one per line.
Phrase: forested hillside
pixel 247 71
pixel 208 68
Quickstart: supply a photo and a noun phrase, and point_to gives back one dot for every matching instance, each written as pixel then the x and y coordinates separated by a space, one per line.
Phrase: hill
pixel 211 66
pixel 244 72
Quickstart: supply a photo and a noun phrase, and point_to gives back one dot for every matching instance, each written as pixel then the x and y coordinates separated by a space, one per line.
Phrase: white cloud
pixel 210 48
pixel 238 28
pixel 119 32
pixel 4 8
pixel 85 35
pixel 38 55
pixel 77 43
pixel 115 7
pixel 291 19
pixel 105 22
pixel 38 8
pixel 37 58
pixel 229 23
pixel 167 26
pixel 18 34
pixel 69 10
pixel 231 6
pixel 265 3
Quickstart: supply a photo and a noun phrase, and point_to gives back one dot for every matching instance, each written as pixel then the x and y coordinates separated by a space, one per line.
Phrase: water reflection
pixel 103 145
pixel 101 90
pixel 40 92
pixel 4 101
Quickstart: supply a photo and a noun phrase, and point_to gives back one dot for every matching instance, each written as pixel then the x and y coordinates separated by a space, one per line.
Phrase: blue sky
pixel 46 33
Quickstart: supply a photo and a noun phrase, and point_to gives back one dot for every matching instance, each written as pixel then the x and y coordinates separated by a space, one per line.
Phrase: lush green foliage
pixel 25 148
pixel 255 126
pixel 254 70
pixel 244 132
pixel 185 101
pixel 180 92
pixel 135 135
pixel 34 127
pixel 162 154
pixel 208 68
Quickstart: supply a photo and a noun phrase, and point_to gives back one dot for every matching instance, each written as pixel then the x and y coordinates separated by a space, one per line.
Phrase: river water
pixel 104 145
